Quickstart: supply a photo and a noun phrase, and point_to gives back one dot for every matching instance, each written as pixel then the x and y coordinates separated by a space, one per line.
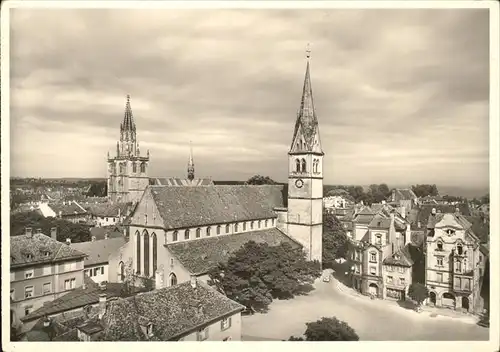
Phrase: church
pixel 181 228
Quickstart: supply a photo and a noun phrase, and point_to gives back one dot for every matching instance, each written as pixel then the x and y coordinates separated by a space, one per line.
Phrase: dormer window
pixel 46 254
pixel 450 232
pixel 28 256
pixel 396 256
pixel 149 329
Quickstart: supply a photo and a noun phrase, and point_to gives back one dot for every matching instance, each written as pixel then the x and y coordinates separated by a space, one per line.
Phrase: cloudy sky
pixel 401 95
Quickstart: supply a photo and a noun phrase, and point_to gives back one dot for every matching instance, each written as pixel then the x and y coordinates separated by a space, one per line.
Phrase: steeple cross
pixel 308 51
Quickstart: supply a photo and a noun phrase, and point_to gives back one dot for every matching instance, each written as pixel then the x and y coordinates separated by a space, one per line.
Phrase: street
pixel 373 320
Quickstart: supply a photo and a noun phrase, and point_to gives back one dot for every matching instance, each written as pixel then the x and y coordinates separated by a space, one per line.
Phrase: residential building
pixel 41 270
pixel 66 210
pixel 96 264
pixel 76 305
pixel 404 197
pixel 453 262
pixel 335 202
pixel 397 273
pixel 128 169
pixel 191 311
pixel 378 232
pixel 108 214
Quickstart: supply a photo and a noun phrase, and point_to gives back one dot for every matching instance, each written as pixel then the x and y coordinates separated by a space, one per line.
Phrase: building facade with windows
pixel 96 264
pixel 41 270
pixel 453 262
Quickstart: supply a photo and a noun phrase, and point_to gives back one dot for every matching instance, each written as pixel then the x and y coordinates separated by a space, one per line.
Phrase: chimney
pixel 158 280
pixel 29 232
pixel 102 305
pixel 53 233
pixel 433 211
pixel 68 241
pixel 193 281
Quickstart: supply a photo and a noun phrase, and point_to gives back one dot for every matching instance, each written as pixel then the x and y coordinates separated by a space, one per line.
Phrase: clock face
pixel 299 183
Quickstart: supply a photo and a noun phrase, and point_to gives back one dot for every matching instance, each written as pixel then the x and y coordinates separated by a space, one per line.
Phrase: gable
pixel 298 141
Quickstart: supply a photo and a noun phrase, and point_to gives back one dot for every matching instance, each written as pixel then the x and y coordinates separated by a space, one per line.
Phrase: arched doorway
pixel 432 298
pixel 465 303
pixel 373 289
pixel 173 279
pixel 448 300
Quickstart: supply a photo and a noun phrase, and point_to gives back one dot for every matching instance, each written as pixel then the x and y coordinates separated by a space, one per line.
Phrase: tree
pixel 130 279
pixel 148 284
pixel 260 180
pixel 65 229
pixel 257 273
pixel 418 292
pixel 485 199
pixel 335 241
pixel 328 329
pixel 425 190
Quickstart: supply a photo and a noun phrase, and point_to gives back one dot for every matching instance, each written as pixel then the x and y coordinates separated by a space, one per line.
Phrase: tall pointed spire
pixel 307 121
pixel 190 163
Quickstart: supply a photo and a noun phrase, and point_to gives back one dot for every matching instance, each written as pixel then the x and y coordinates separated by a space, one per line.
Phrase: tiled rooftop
pixel 199 256
pixel 77 298
pixel 174 311
pixel 101 232
pixel 182 207
pixel 400 258
pixel 175 181
pixel 98 252
pixel 109 209
pixel 38 248
pixel 69 208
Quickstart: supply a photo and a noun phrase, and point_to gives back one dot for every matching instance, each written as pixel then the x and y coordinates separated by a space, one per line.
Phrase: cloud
pixel 401 95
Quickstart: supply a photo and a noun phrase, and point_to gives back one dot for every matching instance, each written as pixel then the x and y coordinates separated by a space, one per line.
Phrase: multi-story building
pixel 96 264
pixel 41 269
pixel 377 234
pixel 191 311
pixel 453 262
pixel 127 170
pixel 66 210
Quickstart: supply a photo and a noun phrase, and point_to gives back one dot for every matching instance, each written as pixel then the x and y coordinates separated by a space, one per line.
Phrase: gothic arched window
pixel 146 253
pixel 173 279
pixel 186 234
pixel 460 249
pixel 227 228
pixel 303 165
pixel 266 223
pixel 175 236
pixel 260 223
pixel 198 233
pixel 235 227
pixel 138 251
pixel 297 165
pixel 143 167
pixel 134 167
pixel 218 229
pixel 208 231
pixel 155 253
pixel 121 270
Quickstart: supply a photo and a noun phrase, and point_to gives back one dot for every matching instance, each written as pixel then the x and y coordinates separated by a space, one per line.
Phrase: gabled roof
pixel 109 209
pixel 101 232
pixel 400 258
pixel 67 208
pixel 182 207
pixel 38 249
pixel 77 298
pixel 174 311
pixel 404 194
pixel 179 182
pixel 98 252
pixel 380 222
pixel 199 256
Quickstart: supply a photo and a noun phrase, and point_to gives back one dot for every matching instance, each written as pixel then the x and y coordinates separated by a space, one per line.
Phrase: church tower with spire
pixel 127 170
pixel 190 169
pixel 305 177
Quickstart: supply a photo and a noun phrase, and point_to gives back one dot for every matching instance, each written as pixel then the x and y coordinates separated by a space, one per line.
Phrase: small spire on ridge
pixel 308 51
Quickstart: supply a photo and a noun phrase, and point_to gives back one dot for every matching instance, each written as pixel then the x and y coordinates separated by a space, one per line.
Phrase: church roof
pixel 176 181
pixel 200 256
pixel 182 207
pixel 128 123
pixel 307 121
